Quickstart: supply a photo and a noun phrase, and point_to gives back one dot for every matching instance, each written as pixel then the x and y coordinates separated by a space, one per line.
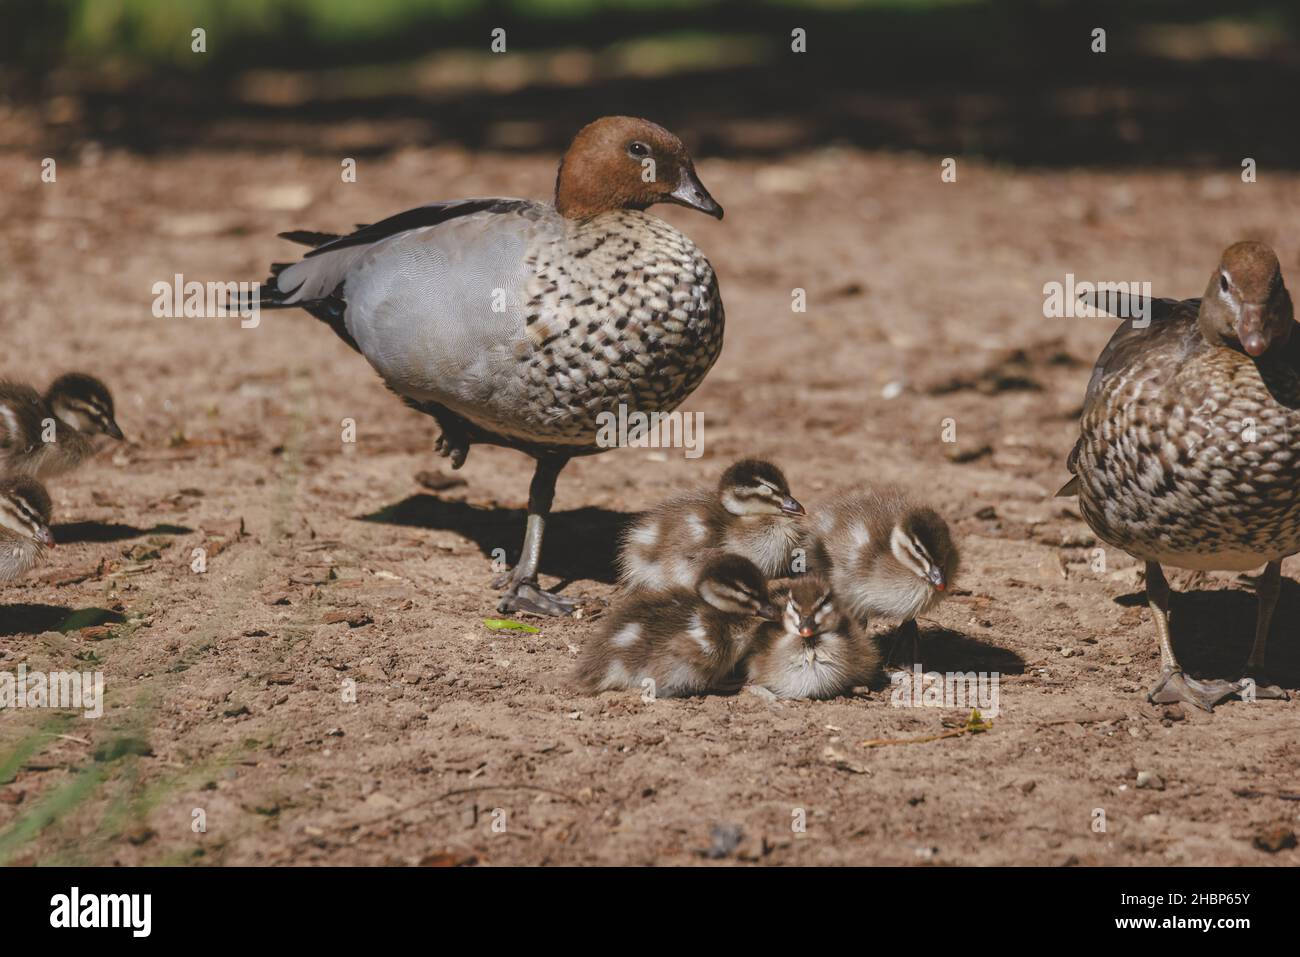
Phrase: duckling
pixel 750 512
pixel 44 436
pixel 1188 449
pixel 84 402
pixel 23 416
pixel 25 534
pixel 885 554
pixel 520 323
pixel 685 641
pixel 815 650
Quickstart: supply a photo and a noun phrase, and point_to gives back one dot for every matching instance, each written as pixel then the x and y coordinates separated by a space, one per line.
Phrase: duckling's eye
pixel 1223 282
pixel 638 149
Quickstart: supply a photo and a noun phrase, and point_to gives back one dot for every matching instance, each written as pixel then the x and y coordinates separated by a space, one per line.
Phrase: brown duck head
pixel 621 162
pixel 1246 304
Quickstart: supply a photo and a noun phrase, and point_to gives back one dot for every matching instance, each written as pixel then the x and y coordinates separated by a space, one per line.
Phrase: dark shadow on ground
pixel 579 544
pixel 944 650
pixel 35 619
pixel 1213 631
pixel 71 532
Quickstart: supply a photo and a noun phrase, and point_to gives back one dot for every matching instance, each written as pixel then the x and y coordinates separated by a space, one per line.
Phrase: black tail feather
pixel 269 295
pixel 266 296
pixel 309 237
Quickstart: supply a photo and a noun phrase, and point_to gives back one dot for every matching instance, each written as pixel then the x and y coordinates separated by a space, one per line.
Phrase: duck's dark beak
pixel 113 431
pixel 691 192
pixel 935 577
pixel 45 536
pixel 1250 330
pixel 806 630
pixel 792 507
pixel 768 611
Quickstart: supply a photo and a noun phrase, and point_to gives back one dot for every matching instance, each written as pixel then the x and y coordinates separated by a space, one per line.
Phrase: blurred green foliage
pixel 158 32
pixel 140 35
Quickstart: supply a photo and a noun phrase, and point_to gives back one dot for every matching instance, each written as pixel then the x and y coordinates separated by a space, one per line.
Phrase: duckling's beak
pixel 45 536
pixel 935 578
pixel 113 431
pixel 1250 330
pixel 791 507
pixel 806 630
pixel 691 192
pixel 768 611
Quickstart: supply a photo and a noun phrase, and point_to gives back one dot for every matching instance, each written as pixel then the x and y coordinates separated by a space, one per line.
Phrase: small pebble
pixel 1150 780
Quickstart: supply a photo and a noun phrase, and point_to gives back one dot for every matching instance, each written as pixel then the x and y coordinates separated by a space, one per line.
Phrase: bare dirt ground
pixel 329 563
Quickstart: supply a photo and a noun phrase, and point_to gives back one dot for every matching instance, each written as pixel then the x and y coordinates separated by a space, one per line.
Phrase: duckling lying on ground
pixel 750 512
pixel 815 650
pixel 25 534
pixel 680 641
pixel 884 554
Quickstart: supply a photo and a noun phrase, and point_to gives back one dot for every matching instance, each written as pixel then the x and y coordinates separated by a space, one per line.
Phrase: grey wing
pixel 437 307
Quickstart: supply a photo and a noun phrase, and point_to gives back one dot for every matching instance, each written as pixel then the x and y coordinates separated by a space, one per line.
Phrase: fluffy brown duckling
pixel 815 650
pixel 25 534
pixel 682 641
pixel 885 554
pixel 1188 449
pixel 750 512
pixel 45 436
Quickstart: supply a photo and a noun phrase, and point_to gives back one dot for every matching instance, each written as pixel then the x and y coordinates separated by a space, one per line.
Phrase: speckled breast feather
pixel 1188 457
pixel 621 309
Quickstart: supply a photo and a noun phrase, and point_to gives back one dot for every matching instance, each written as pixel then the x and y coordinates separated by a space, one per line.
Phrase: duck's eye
pixel 638 149
pixel 1223 282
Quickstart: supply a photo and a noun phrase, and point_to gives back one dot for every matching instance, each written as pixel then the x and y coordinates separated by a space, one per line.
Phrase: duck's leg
pixel 910 633
pixel 522 592
pixel 1267 590
pixel 1174 685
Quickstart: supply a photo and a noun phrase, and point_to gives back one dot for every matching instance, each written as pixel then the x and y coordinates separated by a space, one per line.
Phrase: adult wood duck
pixel 1188 449
pixel 518 323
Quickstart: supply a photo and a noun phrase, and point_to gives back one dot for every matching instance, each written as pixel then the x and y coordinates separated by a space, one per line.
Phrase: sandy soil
pixel 330 563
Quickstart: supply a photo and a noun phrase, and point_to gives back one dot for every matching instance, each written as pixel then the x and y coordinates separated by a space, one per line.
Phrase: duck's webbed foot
pixel 1255 685
pixel 527 596
pixel 1175 685
pixel 453 441
pixel 452 444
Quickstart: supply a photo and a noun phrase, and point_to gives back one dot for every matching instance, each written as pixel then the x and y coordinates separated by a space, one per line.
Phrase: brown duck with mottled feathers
pixel 1189 447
